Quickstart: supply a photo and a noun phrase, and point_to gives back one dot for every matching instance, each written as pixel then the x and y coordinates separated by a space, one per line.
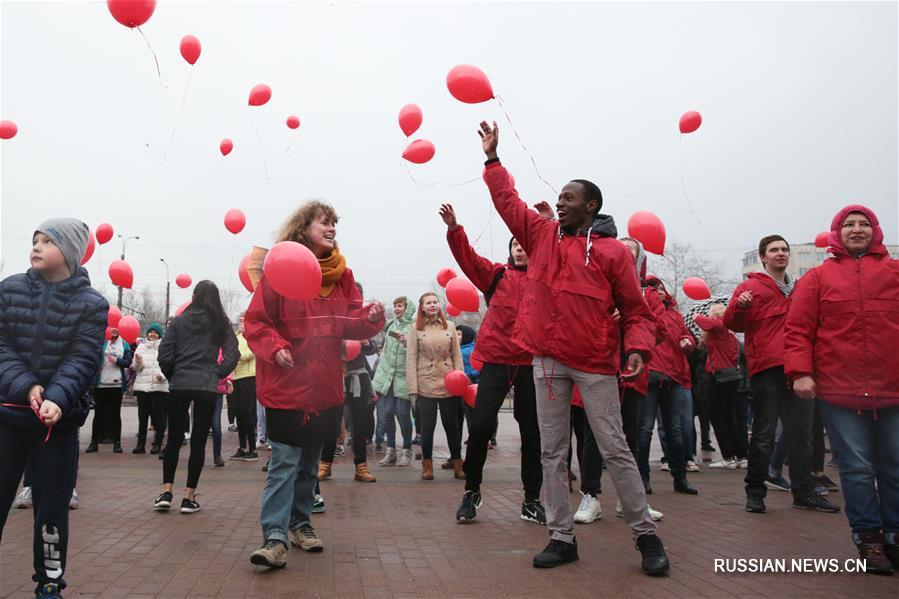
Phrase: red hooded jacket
pixel 723 346
pixel 844 322
pixel 762 322
pixel 669 359
pixel 313 330
pixel 494 344
pixel 574 285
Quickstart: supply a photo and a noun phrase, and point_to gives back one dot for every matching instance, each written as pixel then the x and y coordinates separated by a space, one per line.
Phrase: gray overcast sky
pixel 799 103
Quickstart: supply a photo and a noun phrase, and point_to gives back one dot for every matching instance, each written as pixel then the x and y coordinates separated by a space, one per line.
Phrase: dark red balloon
pixel 244 275
pixel 131 13
pixel 690 122
pixel 190 48
pixel 470 396
pixel 129 329
pixel 445 275
pixel 822 240
pixel 352 349
pixel 104 233
pixel 91 246
pixel 453 310
pixel 647 228
pixel 696 289
pixel 108 333
pixel 113 317
pixel 463 294
pixel 410 118
pixel 226 146
pixel 235 220
pixel 456 382
pixel 260 94
pixel 120 274
pixel 183 281
pixel 293 121
pixel 8 129
pixel 467 83
pixel 419 151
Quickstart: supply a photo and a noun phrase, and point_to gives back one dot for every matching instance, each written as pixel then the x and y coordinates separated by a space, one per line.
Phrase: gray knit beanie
pixel 70 235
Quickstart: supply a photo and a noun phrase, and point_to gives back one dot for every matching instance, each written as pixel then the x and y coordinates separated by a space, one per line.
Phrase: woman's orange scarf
pixel 332 266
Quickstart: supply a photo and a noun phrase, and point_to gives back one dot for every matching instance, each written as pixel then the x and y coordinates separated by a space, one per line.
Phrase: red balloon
pixel 690 122
pixel 419 151
pixel 467 83
pixel 91 246
pixel 453 310
pixel 8 129
pixel 226 146
pixel 462 294
pixel 352 349
pixel 822 240
pixel 456 382
pixel 475 363
pixel 696 289
pixel 293 271
pixel 410 119
pixel 113 317
pixel 131 13
pixel 260 94
pixel 129 329
pixel 190 48
pixel 293 121
pixel 108 333
pixel 182 308
pixel 470 396
pixel 104 233
pixel 235 220
pixel 120 274
pixel 647 228
pixel 244 275
pixel 445 275
pixel 183 281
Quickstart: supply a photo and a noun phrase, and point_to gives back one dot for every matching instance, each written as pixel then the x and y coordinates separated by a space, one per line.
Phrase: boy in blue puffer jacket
pixel 52 325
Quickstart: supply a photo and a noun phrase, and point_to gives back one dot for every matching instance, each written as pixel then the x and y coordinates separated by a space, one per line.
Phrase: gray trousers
pixel 554 385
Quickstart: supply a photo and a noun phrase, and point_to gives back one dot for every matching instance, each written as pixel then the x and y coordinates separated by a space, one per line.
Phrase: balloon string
pixel 293 136
pixel 261 148
pixel 499 100
pixel 683 183
pixel 162 81
pixel 222 160
pixel 421 184
pixel 180 112
pixel 231 263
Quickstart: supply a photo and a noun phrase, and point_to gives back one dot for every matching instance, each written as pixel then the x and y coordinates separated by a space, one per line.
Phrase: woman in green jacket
pixel 390 384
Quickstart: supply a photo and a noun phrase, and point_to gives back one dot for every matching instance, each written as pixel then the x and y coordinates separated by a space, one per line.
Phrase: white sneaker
pixel 665 467
pixel 73 501
pixel 405 458
pixel 23 499
pixel 692 466
pixel 589 510
pixel 743 464
pixel 654 515
pixel 232 428
pixel 722 463
pixel 389 458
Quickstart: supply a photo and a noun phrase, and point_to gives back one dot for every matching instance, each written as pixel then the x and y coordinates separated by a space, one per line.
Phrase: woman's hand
pixel 376 312
pixel 229 387
pixel 489 139
pixel 284 358
pixel 804 387
pixel 449 216
pixel 36 397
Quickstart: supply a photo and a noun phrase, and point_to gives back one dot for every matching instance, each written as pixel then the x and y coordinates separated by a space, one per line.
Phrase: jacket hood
pixel 640 261
pixel 408 316
pixel 196 321
pixel 838 249
pixel 667 298
pixel 603 225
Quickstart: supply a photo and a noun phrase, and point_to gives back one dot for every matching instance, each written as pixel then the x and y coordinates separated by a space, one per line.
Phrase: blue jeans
pixel 867 454
pixel 380 421
pixel 674 402
pixel 779 455
pixel 289 489
pixel 217 426
pixel 390 406
pixel 260 423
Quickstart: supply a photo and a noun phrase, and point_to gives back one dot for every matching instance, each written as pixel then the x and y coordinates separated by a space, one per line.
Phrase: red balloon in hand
pixel 352 349
pixel 690 122
pixel 410 119
pixel 260 94
pixel 235 220
pixel 470 396
pixel 293 121
pixel 293 271
pixel 456 382
pixel 104 233
pixel 120 274
pixel 467 83
pixel 697 289
pixel 8 129
pixel 129 329
pixel 183 281
pixel 190 49
pixel 131 13
pixel 647 228
pixel 419 151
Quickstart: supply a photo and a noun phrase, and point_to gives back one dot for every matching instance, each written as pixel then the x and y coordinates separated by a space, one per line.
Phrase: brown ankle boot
pixel 427 470
pixel 324 470
pixel 447 465
pixel 363 475
pixel 458 472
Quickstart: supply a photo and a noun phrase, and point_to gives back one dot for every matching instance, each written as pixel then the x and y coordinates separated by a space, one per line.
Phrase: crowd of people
pixel 588 343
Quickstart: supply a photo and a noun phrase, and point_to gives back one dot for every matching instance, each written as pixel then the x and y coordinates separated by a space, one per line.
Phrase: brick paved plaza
pixel 398 537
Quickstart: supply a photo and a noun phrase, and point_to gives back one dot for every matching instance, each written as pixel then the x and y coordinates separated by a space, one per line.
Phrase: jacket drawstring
pixel 552 374
pixel 589 244
pixel 36 413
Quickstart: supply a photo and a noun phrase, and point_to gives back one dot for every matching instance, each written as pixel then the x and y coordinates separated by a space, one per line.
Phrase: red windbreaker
pixel 566 310
pixel 494 344
pixel 844 322
pixel 763 322
pixel 669 359
pixel 723 346
pixel 313 330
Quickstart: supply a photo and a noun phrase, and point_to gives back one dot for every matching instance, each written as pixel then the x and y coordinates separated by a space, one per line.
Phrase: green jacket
pixel 392 364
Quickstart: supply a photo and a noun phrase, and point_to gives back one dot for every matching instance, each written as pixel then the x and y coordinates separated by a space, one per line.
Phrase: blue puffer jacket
pixel 51 334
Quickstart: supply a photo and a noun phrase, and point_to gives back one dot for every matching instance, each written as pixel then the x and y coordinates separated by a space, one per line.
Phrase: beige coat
pixel 430 355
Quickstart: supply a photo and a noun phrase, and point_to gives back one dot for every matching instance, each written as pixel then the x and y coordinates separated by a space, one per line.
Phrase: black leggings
pixel 448 407
pixel 244 401
pixel 178 404
pixel 150 406
pixel 107 414
pixel 361 412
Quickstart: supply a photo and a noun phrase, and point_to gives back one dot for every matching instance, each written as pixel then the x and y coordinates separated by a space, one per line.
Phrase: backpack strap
pixel 493 285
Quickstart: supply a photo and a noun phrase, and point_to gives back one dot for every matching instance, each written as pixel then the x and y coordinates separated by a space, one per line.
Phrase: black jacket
pixel 188 356
pixel 51 334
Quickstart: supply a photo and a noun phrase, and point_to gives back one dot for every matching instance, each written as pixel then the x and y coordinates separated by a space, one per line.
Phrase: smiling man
pixel 578 276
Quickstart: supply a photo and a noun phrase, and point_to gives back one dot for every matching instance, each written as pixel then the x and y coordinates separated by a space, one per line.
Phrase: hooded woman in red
pixel 299 376
pixel 840 348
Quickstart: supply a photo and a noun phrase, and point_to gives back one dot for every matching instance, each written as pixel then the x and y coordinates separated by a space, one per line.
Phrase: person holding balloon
pixel 51 339
pixel 108 393
pixel 505 366
pixel 578 275
pixel 432 352
pixel 305 305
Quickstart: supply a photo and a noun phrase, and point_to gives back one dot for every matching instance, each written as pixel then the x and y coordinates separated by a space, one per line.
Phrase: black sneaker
pixel 48 591
pixel 189 506
pixel 250 456
pixel 218 461
pixel 825 482
pixel 92 447
pixel 139 449
pixel 556 554
pixel 815 503
pixel 647 488
pixel 655 562
pixel 755 504
pixel 163 502
pixel 871 549
pixel 533 511
pixel 468 509
pixel 117 447
pixel 238 455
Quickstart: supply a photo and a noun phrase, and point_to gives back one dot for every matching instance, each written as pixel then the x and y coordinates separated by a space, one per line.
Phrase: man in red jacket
pixel 578 275
pixel 759 308
pixel 505 366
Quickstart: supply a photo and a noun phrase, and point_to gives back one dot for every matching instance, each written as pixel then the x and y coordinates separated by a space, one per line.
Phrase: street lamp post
pixel 167 286
pixel 124 245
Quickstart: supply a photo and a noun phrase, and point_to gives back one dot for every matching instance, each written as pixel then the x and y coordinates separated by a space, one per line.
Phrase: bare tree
pixel 682 261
